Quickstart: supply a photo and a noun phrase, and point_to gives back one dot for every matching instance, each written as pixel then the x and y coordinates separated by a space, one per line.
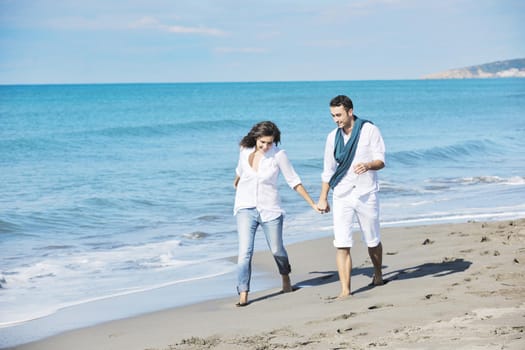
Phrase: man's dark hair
pixel 342 100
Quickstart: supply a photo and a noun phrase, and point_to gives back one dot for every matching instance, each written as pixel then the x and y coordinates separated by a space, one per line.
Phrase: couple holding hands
pixel 353 154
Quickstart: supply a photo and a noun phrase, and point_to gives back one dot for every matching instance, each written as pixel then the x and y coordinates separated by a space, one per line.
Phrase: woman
pixel 257 201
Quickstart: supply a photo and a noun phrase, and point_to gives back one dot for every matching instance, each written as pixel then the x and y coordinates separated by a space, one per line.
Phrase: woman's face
pixel 264 143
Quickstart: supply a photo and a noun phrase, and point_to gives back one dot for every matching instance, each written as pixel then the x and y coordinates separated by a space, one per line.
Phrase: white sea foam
pixel 41 288
pixel 32 312
pixel 431 218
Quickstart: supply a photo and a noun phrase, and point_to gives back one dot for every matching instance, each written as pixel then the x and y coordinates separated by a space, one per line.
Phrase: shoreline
pixel 443 278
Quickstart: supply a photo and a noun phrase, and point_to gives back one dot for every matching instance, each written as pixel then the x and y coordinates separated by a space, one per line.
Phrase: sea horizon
pixel 252 81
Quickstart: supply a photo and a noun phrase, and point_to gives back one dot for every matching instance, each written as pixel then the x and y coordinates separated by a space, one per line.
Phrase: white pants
pixel 366 210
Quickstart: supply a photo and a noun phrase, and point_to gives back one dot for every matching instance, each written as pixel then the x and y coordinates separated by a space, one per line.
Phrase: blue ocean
pixel 112 193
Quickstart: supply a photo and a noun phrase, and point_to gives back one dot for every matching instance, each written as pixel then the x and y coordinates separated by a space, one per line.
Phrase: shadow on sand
pixel 428 269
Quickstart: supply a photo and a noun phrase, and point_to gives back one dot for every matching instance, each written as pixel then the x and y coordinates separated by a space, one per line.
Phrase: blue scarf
pixel 344 154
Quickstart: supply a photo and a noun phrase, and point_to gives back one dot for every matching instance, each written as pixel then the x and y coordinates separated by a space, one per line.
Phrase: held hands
pixel 323 206
pixel 314 207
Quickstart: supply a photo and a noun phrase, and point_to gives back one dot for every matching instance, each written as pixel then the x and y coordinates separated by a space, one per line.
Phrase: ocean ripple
pixel 455 152
pixel 196 235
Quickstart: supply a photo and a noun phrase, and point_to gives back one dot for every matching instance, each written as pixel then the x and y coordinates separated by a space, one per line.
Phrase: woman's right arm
pixel 322 204
pixel 306 196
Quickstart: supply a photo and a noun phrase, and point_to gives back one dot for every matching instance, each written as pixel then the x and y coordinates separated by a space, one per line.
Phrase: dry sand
pixel 459 286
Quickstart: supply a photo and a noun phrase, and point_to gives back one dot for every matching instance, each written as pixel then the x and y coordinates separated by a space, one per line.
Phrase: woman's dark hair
pixel 266 128
pixel 342 100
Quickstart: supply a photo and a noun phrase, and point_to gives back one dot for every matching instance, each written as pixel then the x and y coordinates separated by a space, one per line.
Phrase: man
pixel 354 152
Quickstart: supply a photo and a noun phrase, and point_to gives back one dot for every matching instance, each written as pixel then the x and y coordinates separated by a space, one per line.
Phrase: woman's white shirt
pixel 258 189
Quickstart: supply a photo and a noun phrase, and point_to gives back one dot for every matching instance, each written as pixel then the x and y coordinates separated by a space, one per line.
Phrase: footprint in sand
pixel 427 241
pixel 433 296
pixel 344 316
pixel 341 331
pixel 331 299
pixel 379 306
pixel 448 260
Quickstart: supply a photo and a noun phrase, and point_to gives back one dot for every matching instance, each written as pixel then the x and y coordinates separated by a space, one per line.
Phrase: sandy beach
pixel 458 286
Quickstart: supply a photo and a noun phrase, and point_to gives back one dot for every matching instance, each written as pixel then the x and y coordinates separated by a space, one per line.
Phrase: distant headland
pixel 500 69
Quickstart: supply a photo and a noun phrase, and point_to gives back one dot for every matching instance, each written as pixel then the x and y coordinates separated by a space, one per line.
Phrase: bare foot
pixel 377 280
pixel 343 295
pixel 287 285
pixel 243 299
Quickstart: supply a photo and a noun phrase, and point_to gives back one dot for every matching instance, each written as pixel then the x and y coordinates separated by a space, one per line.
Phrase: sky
pixel 127 41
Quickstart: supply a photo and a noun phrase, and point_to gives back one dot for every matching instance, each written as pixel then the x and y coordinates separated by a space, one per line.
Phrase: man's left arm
pixel 378 154
pixel 362 168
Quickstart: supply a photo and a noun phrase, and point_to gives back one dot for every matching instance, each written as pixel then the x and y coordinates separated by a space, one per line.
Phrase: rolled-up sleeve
pixel 329 162
pixel 291 177
pixel 377 144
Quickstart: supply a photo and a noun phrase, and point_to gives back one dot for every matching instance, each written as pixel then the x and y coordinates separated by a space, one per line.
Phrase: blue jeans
pixel 248 220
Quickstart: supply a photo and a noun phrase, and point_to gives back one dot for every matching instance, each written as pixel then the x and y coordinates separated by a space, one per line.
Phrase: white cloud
pixel 247 50
pixel 153 23
pixel 195 30
pixel 146 22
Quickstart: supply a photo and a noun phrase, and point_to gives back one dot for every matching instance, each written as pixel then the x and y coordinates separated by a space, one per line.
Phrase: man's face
pixel 264 143
pixel 341 117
